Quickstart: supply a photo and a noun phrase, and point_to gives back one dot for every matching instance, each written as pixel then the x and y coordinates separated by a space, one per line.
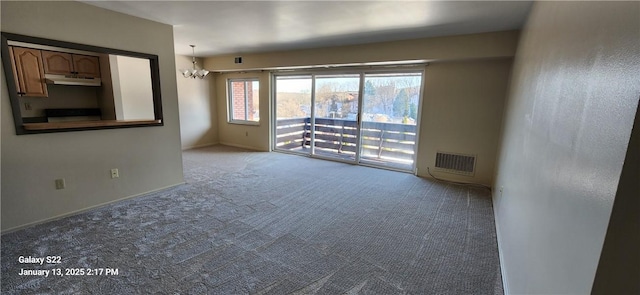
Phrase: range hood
pixel 68 80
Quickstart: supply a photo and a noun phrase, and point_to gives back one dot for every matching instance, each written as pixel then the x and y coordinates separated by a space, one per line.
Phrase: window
pixel 243 100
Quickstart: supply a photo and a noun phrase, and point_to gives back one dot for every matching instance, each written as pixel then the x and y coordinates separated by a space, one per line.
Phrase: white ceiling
pixel 226 27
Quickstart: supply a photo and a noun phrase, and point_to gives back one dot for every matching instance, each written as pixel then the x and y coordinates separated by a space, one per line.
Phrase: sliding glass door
pixel 368 118
pixel 335 116
pixel 293 113
pixel 390 112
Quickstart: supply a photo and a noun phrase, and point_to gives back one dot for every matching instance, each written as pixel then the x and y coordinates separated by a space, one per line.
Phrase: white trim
pixel 503 272
pixel 184 148
pixel 421 101
pixel 9 230
pixel 273 126
pixel 51 48
pixel 335 159
pixel 290 152
pixel 243 122
pixel 362 82
pixel 230 118
pixel 253 148
pixel 312 119
pixel 356 66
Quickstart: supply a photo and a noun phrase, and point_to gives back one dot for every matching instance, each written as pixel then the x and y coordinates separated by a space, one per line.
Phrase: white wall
pixel 198 109
pixel 106 91
pixel 573 97
pixel 148 158
pixel 115 87
pixel 132 91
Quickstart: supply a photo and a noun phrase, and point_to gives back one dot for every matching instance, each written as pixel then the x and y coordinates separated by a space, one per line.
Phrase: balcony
pixel 390 145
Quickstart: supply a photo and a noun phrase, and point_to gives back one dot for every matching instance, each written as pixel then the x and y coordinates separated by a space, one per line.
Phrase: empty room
pixel 320 147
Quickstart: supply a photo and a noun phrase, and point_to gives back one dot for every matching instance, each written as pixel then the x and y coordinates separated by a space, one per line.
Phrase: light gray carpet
pixel 270 223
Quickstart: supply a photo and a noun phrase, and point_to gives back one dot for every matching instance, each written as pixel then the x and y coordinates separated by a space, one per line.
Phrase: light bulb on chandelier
pixel 194 72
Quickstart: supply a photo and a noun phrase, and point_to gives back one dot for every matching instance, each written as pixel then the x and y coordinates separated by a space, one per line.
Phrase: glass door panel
pixel 336 116
pixel 293 113
pixel 389 114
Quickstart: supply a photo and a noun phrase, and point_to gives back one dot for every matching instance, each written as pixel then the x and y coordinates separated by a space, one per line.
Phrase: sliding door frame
pixel 418 69
pixel 357 154
pixel 312 123
pixel 362 72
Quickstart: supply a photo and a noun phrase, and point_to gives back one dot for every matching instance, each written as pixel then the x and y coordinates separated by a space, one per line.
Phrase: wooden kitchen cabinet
pixel 58 63
pixel 29 70
pixel 61 63
pixel 86 66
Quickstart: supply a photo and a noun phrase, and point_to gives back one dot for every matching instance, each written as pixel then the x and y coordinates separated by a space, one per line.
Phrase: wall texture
pixel 148 158
pixel 198 109
pixel 572 102
pixel 465 89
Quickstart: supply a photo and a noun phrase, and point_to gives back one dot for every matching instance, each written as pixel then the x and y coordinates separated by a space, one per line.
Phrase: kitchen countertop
pixel 84 124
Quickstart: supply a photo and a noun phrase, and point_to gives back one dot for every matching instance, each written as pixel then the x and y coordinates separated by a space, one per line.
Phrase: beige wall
pixel 198 109
pixel 572 102
pixel 462 113
pixel 148 158
pixel 476 46
pixel 465 89
pixel 256 137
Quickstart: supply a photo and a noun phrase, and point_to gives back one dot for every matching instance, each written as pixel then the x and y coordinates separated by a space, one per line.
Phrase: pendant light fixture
pixel 194 73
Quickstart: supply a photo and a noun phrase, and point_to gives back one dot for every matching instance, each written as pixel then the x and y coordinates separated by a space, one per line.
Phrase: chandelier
pixel 194 73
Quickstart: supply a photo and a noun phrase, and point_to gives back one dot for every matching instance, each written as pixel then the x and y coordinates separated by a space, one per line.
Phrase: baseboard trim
pixel 9 230
pixel 453 180
pixel 253 148
pixel 503 271
pixel 199 146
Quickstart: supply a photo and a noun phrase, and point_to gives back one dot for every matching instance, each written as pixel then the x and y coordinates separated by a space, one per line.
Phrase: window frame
pixel 230 117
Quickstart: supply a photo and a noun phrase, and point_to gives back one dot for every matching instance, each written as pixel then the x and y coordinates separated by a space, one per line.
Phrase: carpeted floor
pixel 270 223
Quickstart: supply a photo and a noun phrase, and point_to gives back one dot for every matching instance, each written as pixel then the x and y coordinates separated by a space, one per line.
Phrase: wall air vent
pixel 455 163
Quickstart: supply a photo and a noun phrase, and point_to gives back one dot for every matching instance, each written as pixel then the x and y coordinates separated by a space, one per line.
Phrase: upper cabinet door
pixel 61 63
pixel 57 63
pixel 86 66
pixel 30 72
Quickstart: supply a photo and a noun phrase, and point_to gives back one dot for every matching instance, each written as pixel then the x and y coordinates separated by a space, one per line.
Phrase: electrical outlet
pixel 246 133
pixel 115 173
pixel 60 183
